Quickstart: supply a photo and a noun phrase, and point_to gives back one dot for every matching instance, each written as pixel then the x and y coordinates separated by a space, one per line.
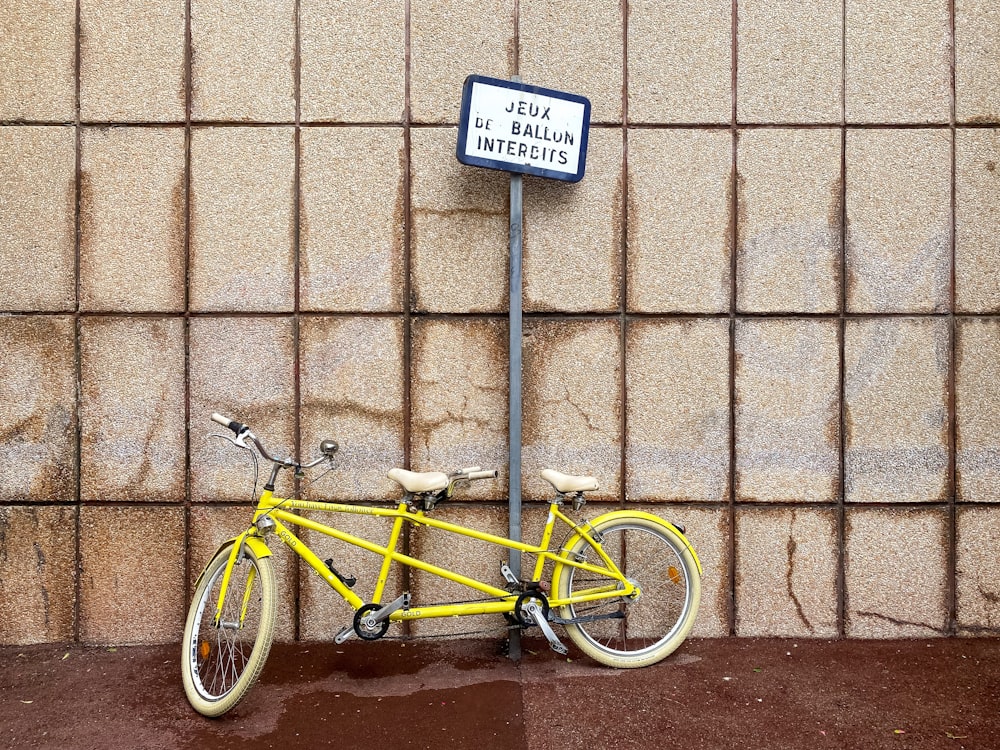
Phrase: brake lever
pixel 239 442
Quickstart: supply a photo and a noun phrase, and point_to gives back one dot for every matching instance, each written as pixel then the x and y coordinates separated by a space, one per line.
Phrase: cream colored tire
pixel 651 554
pixel 220 664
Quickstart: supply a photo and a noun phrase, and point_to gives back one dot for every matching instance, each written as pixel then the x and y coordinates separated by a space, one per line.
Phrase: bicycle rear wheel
pixel 220 664
pixel 633 632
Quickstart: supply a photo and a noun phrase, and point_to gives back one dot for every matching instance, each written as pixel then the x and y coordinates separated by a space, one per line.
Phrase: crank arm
pixel 535 611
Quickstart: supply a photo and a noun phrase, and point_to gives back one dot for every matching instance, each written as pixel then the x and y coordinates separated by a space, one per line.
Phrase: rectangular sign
pixel 515 127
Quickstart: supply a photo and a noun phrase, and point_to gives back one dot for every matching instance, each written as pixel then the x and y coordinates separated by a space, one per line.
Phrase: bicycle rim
pixel 222 663
pixel 641 631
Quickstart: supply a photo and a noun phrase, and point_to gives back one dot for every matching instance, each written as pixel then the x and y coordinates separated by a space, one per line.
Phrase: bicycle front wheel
pixel 632 632
pixel 221 662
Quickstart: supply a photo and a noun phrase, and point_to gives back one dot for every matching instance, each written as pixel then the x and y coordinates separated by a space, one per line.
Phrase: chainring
pixel 523 619
pixel 366 632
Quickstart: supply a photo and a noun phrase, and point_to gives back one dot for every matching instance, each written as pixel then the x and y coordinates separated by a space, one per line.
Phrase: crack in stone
pixel 990 596
pixel 894 621
pixel 40 565
pixel 586 417
pixel 791 547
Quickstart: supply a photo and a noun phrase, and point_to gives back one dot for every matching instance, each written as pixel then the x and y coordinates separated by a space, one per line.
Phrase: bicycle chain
pixel 495 630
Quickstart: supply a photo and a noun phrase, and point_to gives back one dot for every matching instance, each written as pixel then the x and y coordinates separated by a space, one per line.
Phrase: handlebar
pixel 243 433
pixel 491 474
pixel 327 448
pixel 231 424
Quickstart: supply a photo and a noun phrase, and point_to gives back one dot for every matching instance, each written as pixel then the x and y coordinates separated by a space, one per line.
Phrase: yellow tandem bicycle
pixel 625 585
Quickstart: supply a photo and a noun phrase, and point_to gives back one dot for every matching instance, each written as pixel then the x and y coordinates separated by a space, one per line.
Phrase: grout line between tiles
pixel 952 480
pixel 841 573
pixel 733 612
pixel 188 480
pixel 77 353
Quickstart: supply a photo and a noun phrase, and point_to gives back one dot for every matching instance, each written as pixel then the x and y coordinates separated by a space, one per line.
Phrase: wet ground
pixel 728 693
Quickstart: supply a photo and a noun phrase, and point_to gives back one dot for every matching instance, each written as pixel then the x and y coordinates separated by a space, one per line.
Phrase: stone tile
pixel 38 411
pixel 977 58
pixel 132 220
pixel 788 256
pixel 977 359
pixel 896 410
pixel 450 39
pixel 677 408
pixel 786 573
pixel 679 58
pixel 898 57
pixel 977 215
pixel 573 234
pixel 323 611
pixel 572 405
pixel 38 70
pixel 241 368
pixel 787 411
pixel 351 218
pixel 211 526
pixel 132 409
pixel 242 60
pixel 132 60
pixel 466 556
pixel 679 250
pixel 37 205
pixel 353 60
pixel 895 573
pixel 460 229
pixel 898 220
pixel 352 391
pixel 242 230
pixel 37 574
pixel 577 48
pixel 128 595
pixel 708 531
pixel 459 400
pixel 790 60
pixel 977 570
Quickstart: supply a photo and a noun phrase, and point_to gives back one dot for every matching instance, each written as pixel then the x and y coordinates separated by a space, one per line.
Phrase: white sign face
pixel 522 128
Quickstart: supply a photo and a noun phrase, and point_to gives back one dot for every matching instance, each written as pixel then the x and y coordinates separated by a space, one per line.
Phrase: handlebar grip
pixel 232 424
pixel 488 474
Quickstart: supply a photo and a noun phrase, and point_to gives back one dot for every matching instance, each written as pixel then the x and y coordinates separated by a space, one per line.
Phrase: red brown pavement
pixel 711 693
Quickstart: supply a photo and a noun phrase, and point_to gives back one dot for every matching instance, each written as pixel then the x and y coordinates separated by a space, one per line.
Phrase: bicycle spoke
pixel 648 560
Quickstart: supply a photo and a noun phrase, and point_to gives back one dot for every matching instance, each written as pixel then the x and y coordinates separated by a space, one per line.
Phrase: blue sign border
pixel 506 166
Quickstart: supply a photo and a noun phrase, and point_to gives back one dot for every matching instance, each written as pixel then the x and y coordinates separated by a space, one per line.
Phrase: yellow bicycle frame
pixel 279 510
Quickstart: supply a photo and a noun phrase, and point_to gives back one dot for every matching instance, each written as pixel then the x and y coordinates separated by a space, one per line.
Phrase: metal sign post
pixel 515 389
pixel 521 129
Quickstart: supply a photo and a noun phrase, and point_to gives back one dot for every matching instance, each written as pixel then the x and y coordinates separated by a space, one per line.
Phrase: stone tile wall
pixel 769 311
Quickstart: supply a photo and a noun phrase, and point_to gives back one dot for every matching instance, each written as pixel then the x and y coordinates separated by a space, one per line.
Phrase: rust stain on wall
pixel 736 221
pixel 399 216
pixel 86 210
pixel 178 228
pixel 835 218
